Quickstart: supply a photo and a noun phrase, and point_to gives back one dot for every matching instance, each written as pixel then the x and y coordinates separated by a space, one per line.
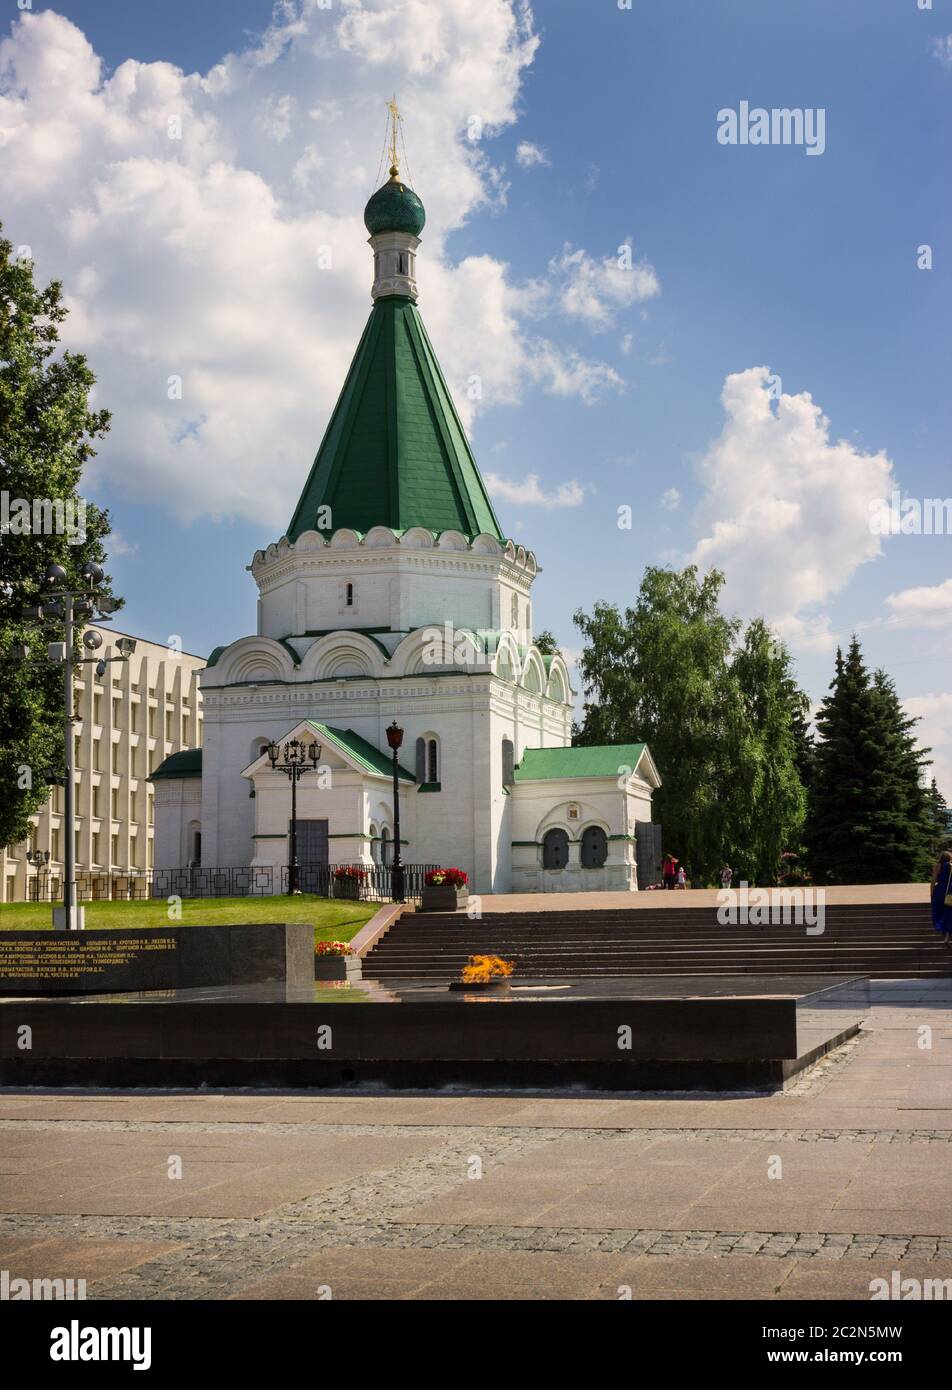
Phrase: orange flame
pixel 482 968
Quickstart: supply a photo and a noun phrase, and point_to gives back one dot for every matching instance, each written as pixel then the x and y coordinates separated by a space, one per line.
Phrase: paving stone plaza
pixel 449 1196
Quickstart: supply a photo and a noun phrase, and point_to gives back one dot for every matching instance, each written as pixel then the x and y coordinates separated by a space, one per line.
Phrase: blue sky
pixel 765 256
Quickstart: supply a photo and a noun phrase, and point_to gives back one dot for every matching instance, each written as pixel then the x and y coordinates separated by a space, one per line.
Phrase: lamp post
pixel 38 858
pixel 395 739
pixel 296 759
pixel 74 606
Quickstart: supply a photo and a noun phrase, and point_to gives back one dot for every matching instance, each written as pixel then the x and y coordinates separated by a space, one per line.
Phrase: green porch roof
pixel 363 753
pixel 602 760
pixel 188 763
pixel 395 453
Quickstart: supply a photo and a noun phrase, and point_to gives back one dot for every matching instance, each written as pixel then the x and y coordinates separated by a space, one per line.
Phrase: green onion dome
pixel 394 208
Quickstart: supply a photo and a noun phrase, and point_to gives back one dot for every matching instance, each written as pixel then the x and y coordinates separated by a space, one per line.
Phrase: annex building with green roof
pixel 395 594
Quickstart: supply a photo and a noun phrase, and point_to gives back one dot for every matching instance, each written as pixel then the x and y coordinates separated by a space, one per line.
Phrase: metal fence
pixel 130 886
pixel 375 886
pixel 203 881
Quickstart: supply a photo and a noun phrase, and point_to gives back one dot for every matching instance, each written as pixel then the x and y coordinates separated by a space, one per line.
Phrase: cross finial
pixel 395 119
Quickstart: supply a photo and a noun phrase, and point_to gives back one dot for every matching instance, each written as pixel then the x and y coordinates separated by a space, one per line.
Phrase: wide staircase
pixel 881 940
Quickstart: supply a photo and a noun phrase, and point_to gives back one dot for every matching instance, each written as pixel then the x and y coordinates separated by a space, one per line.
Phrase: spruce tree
pixel 868 816
pixel 939 820
pixel 837 833
pixel 906 816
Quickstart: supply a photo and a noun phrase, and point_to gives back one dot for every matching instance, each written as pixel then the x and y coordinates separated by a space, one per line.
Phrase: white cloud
pixel 595 290
pixel 935 732
pixel 530 492
pixel 923 606
pixel 785 511
pixel 671 499
pixel 200 257
pixel 942 48
pixel 529 156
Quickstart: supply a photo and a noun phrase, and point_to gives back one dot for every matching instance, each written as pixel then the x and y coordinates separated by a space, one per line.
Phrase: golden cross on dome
pixel 395 119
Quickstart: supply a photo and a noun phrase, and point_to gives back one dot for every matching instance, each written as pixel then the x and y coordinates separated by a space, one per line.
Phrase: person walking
pixel 727 874
pixel 942 897
pixel 669 870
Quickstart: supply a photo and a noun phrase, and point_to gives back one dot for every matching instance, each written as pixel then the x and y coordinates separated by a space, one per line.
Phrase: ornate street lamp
pixel 395 739
pixel 39 858
pixel 296 758
pixel 75 607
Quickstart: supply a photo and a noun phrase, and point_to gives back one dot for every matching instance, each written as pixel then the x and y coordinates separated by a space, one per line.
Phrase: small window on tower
pixel 349 595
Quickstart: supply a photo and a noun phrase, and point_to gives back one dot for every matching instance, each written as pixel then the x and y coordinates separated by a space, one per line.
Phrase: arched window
pixel 427 761
pixel 194 844
pixel 508 763
pixel 385 846
pixel 555 849
pixel 594 847
pixel 374 844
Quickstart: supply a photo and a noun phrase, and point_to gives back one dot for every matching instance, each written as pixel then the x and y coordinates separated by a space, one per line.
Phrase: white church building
pixel 395 595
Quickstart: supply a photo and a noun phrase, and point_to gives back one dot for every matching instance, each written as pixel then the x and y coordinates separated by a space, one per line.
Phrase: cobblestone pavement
pixel 216 1259
pixel 807 1193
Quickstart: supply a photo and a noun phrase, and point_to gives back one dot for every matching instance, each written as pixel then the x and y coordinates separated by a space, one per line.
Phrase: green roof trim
pixel 603 760
pixel 216 654
pixel 369 633
pixel 187 763
pixel 363 753
pixel 395 452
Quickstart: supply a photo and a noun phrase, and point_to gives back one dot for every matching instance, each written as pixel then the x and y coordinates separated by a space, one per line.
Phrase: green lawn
pixel 333 918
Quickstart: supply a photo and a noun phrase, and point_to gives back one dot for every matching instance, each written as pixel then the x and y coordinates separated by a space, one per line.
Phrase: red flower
pixel 449 878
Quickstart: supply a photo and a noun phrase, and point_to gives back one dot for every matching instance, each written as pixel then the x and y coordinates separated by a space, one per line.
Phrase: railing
pixel 201 881
pixel 131 885
pixel 374 887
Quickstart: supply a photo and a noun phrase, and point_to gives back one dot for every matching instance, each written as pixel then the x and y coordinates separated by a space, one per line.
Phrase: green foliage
pixel 940 820
pixel 869 819
pixel 546 642
pixel 46 434
pixel 718 711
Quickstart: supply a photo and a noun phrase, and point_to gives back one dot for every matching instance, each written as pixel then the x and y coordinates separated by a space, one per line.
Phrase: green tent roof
pixel 188 763
pixel 395 453
pixel 363 753
pixel 604 760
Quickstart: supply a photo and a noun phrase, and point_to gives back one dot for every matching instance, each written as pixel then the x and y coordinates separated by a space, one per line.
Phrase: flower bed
pixel 444 890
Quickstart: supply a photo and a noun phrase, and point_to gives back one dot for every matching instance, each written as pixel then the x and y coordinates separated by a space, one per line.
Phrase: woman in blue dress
pixel 942 915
